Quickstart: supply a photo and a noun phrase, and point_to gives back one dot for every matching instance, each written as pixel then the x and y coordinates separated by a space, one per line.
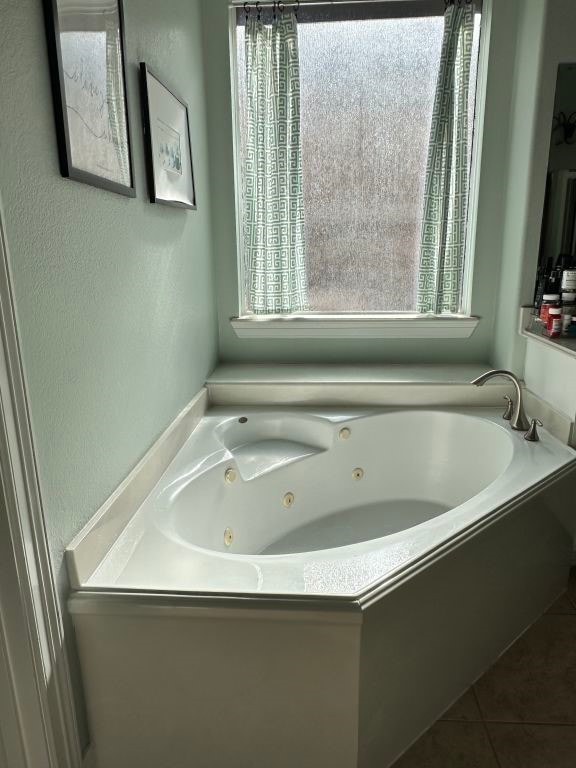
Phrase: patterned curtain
pixel 274 251
pixel 443 236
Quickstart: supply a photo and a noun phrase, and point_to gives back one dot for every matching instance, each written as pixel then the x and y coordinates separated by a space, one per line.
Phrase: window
pixel 368 77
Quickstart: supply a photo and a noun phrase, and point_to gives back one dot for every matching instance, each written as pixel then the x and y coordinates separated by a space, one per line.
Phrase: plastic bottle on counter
pixel 541 283
pixel 568 284
pixel 554 322
pixel 549 300
pixel 568 311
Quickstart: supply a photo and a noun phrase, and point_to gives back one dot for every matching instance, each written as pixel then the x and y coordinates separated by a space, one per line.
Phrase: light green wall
pixel 559 46
pixel 490 228
pixel 114 296
pixel 525 176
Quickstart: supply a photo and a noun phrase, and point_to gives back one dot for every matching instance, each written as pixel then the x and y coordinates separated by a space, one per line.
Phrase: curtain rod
pixel 311 9
pixel 291 3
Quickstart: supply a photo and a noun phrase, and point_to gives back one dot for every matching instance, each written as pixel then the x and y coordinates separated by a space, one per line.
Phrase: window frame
pixel 385 325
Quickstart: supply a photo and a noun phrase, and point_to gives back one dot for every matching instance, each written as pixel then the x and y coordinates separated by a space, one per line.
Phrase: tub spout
pixel 519 420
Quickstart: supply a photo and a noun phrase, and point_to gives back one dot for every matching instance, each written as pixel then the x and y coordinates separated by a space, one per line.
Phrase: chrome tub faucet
pixel 518 420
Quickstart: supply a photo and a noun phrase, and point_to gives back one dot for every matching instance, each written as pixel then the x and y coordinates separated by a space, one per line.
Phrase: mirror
pixel 556 279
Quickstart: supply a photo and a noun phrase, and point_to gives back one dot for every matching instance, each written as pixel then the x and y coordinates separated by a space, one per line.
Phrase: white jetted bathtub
pixel 321 584
pixel 296 503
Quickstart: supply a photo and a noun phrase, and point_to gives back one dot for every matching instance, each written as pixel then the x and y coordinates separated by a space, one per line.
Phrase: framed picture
pixel 168 149
pixel 86 51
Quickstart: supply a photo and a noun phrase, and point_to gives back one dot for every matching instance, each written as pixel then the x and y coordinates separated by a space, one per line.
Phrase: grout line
pixel 476 698
pixel 505 722
pixel 571 603
pixel 492 747
pixel 537 723
pixel 486 730
pixel 460 720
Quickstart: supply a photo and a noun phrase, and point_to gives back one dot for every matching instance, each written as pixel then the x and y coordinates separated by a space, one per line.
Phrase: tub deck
pixel 282 552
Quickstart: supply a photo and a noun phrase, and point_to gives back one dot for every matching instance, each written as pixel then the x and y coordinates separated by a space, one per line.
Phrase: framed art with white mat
pixel 168 148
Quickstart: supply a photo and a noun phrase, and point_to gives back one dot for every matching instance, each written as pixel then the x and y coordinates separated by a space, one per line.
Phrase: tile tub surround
pixel 522 712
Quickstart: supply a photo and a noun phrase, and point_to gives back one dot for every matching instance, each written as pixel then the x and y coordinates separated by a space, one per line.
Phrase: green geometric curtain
pixel 443 237
pixel 274 249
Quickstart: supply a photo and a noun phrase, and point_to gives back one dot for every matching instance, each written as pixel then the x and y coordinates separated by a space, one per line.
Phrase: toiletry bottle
pixel 569 278
pixel 554 322
pixel 568 311
pixel 549 300
pixel 541 282
pixel 554 280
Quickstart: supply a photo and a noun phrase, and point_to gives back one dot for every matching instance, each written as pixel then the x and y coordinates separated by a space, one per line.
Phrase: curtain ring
pixel 297 8
pixel 281 7
pixel 274 10
pixel 246 11
pixel 258 11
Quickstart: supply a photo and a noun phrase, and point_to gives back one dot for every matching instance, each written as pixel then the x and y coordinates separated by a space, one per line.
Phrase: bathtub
pixel 287 502
pixel 316 587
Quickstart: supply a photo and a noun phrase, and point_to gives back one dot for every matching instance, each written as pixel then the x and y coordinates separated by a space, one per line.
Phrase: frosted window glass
pixel 367 98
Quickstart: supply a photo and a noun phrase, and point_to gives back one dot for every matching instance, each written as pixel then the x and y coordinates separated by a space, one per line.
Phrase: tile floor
pixel 522 712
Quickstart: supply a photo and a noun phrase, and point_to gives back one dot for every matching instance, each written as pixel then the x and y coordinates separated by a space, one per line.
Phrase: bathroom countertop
pixel 535 331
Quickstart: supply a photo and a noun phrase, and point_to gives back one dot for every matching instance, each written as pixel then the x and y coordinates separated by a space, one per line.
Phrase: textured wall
pixel 490 223
pixel 114 296
pixel 525 179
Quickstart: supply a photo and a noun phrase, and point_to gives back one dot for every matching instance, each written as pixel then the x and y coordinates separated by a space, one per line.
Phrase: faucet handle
pixel 507 415
pixel 532 434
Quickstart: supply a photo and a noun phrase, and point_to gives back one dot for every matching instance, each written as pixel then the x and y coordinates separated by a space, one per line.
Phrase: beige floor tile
pixel 562 606
pixel 534 746
pixel 451 745
pixel 466 708
pixel 535 680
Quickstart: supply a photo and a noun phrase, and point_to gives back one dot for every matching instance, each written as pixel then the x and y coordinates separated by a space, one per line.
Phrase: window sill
pixel 348 326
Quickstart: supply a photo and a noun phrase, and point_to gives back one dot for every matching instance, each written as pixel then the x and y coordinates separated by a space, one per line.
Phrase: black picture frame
pixel 160 188
pixel 67 150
